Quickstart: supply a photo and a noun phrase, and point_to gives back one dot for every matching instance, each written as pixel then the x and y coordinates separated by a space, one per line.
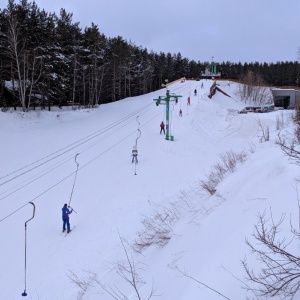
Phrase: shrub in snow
pixel 228 163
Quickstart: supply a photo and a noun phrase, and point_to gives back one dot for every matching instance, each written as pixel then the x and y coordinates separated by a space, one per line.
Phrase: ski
pixel 66 234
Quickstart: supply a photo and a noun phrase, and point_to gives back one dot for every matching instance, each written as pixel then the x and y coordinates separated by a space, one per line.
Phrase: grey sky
pixel 228 30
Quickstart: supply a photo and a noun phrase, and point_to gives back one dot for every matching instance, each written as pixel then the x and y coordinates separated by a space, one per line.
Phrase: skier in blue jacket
pixel 65 217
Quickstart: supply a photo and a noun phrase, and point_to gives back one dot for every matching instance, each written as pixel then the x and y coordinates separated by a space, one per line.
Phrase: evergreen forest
pixel 48 59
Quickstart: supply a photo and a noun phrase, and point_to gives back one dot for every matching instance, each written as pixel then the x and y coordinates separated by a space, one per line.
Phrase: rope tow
pixel 74 182
pixel 24 293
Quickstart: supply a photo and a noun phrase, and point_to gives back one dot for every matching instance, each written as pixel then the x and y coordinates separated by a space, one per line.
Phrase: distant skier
pixel 162 127
pixel 65 217
pixel 189 101
pixel 195 92
pixel 202 85
pixel 180 113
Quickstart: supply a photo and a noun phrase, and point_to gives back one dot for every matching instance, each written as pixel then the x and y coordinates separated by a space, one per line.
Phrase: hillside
pixel 203 235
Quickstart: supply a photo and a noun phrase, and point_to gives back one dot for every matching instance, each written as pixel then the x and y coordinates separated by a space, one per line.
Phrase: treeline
pixel 47 60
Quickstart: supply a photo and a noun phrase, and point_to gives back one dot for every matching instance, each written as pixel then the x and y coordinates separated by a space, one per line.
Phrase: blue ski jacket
pixel 65 213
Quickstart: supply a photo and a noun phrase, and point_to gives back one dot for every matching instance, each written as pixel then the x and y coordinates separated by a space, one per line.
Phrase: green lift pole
pixel 166 100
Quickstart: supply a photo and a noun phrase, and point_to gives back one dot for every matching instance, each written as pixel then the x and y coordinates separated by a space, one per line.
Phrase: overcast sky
pixel 228 30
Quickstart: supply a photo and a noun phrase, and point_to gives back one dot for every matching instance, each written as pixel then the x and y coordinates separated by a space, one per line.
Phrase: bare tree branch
pixel 280 271
pixel 194 279
pixel 128 271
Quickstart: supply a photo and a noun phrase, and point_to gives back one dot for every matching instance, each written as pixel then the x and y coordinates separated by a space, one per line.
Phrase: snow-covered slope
pixel 207 233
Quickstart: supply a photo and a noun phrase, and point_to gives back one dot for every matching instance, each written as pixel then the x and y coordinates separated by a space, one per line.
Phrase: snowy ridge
pixel 206 233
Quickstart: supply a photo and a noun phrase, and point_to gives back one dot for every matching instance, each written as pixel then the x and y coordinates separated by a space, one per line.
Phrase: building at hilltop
pixel 286 98
pixel 211 71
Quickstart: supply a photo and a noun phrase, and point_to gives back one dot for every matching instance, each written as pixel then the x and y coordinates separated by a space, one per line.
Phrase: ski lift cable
pixel 117 142
pixel 188 84
pixel 64 160
pixel 13 212
pixel 74 178
pixel 60 164
pixel 155 116
pixel 182 86
pixel 34 178
pixel 100 131
pixel 71 174
pixel 83 142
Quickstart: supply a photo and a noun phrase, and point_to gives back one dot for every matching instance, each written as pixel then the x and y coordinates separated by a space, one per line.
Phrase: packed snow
pixel 115 201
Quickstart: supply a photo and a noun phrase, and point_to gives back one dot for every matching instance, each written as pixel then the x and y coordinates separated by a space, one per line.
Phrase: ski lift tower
pixel 211 71
pixel 166 101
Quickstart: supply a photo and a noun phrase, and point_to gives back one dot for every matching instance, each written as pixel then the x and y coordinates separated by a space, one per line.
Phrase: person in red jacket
pixel 189 101
pixel 162 127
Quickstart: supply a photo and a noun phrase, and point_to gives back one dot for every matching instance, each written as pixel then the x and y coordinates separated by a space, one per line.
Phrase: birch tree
pixel 26 65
